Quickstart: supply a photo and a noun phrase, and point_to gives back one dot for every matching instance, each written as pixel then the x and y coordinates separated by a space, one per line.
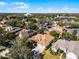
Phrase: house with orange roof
pixel 42 40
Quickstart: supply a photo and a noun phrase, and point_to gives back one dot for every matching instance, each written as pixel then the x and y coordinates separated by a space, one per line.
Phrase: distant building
pixel 65 17
pixel 27 14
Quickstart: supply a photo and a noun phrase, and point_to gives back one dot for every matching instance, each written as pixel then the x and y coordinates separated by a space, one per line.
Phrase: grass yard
pixel 48 55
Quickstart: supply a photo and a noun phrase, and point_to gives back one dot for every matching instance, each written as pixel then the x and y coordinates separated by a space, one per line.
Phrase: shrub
pixel 54 33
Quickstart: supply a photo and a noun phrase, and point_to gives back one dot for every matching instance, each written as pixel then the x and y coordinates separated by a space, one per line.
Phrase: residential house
pixel 8 28
pixel 26 33
pixel 27 14
pixel 1 25
pixel 43 26
pixel 23 33
pixel 42 40
pixel 37 20
pixel 3 21
pixel 15 30
pixel 69 47
pixel 65 17
pixel 56 27
pixel 4 51
pixel 32 33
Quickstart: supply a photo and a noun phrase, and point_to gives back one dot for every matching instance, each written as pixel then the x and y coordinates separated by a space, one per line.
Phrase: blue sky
pixel 39 6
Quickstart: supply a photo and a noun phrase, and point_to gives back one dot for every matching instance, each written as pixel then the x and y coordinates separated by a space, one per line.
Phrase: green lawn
pixel 48 55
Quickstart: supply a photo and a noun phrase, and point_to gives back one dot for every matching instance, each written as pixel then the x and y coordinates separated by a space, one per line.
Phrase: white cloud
pixel 26 7
pixel 40 8
pixel 3 3
pixel 49 10
pixel 43 10
pixel 65 9
pixel 69 10
pixel 18 7
pixel 21 5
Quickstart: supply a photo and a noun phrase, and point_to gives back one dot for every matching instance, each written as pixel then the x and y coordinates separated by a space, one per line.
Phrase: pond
pixel 72 29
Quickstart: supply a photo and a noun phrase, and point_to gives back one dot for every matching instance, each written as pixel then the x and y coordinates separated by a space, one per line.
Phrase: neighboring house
pixel 26 33
pixel 71 56
pixel 65 17
pixel 3 21
pixel 8 28
pixel 4 51
pixel 15 30
pixel 56 27
pixel 37 20
pixel 43 26
pixel 32 33
pixel 27 14
pixel 23 33
pixel 1 25
pixel 42 40
pixel 24 20
pixel 69 47
pixel 4 26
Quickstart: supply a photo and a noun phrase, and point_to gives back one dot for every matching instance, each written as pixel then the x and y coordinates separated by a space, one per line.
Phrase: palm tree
pixel 2 36
pixel 21 49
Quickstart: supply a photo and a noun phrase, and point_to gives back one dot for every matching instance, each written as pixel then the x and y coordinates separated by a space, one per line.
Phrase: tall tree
pixel 21 49
pixel 2 36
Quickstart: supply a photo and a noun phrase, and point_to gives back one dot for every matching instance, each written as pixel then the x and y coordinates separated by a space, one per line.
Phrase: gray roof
pixel 70 46
pixel 74 47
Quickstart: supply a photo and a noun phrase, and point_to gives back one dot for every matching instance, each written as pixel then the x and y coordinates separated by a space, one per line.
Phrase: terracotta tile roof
pixel 43 39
